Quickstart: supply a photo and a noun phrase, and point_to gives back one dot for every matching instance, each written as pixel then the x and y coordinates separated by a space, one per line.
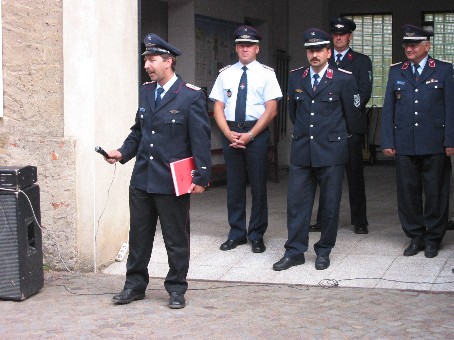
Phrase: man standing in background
pixel 245 102
pixel 417 128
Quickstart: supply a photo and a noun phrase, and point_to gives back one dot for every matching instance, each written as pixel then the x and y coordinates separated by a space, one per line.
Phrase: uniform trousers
pixel 451 196
pixel 423 217
pixel 243 164
pixel 302 185
pixel 173 214
pixel 355 178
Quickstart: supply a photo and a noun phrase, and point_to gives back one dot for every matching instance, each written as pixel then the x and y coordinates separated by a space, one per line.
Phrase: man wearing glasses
pixel 418 130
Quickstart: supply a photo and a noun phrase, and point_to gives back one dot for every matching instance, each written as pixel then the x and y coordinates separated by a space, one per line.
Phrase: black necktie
pixel 159 91
pixel 338 60
pixel 240 109
pixel 416 66
pixel 315 76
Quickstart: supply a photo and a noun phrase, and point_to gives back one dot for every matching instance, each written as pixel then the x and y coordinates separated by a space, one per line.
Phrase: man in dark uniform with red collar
pixel 418 130
pixel 323 105
pixel 171 124
pixel 360 66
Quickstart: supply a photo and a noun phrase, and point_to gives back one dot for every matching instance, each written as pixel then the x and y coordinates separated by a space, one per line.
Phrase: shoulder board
pixel 345 71
pixel 148 82
pixel 193 87
pixel 396 64
pixel 224 68
pixel 296 69
pixel 268 68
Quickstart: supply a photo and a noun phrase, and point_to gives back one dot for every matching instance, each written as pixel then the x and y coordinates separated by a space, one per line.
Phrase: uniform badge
pixel 142 109
pixel 349 56
pixel 298 90
pixel 306 71
pixel 229 93
pixel 174 111
pixel 356 100
pixel 405 65
pixel 329 73
pixel 431 63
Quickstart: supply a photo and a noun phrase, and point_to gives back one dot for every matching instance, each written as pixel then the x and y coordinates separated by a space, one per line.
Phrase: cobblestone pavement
pixel 78 306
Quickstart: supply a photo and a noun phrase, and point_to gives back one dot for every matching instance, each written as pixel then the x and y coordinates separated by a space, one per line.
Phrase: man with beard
pixel 323 105
pixel 171 124
pixel 361 67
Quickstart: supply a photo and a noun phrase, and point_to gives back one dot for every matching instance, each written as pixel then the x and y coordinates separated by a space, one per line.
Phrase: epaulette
pixel 395 64
pixel 296 69
pixel 345 71
pixel 224 68
pixel 193 87
pixel 149 82
pixel 268 68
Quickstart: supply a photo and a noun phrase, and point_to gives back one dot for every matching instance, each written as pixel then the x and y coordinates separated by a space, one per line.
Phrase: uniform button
pixel 436 87
pixel 152 132
pixel 312 137
pixel 416 124
pixel 312 113
pixel 416 113
pixel 330 99
pixel 313 101
pixel 173 120
pixel 151 157
pixel 416 90
pixel 151 145
pixel 416 101
pixel 311 125
pixel 398 88
pixel 338 138
pixel 141 116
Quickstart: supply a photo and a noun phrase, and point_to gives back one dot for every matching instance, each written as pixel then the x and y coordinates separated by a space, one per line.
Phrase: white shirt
pixel 166 86
pixel 321 74
pixel 262 86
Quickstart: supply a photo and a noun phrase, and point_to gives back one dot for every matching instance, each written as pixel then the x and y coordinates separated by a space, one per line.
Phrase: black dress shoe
pixel 177 300
pixel 450 225
pixel 361 229
pixel 414 248
pixel 258 246
pixel 232 244
pixel 430 251
pixel 322 262
pixel 315 227
pixel 127 296
pixel 287 262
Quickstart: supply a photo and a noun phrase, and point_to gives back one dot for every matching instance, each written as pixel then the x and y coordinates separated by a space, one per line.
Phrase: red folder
pixel 182 174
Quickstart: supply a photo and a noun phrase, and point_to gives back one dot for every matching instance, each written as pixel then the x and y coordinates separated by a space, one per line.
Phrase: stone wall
pixel 32 128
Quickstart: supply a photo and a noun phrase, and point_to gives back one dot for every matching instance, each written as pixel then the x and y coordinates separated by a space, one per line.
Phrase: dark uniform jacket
pixel 361 67
pixel 322 119
pixel 178 128
pixel 418 116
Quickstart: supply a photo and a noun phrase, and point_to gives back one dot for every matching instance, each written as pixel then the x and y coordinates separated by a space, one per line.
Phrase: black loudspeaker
pixel 21 255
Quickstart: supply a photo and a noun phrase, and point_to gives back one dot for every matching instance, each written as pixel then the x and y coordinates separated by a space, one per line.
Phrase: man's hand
pixel 236 141
pixel 114 156
pixel 449 152
pixel 196 189
pixel 389 152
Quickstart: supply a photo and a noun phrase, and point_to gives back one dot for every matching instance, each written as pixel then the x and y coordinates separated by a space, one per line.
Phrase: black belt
pixel 249 123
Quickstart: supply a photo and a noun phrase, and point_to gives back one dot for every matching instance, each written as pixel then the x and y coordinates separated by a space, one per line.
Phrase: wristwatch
pixel 251 135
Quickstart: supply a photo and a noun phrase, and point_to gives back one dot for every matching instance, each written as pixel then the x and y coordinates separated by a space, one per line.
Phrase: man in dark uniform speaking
pixel 360 66
pixel 323 105
pixel 171 124
pixel 417 128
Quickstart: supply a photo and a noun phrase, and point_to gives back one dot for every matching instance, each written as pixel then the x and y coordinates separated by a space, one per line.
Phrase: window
pixel 443 39
pixel 373 37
